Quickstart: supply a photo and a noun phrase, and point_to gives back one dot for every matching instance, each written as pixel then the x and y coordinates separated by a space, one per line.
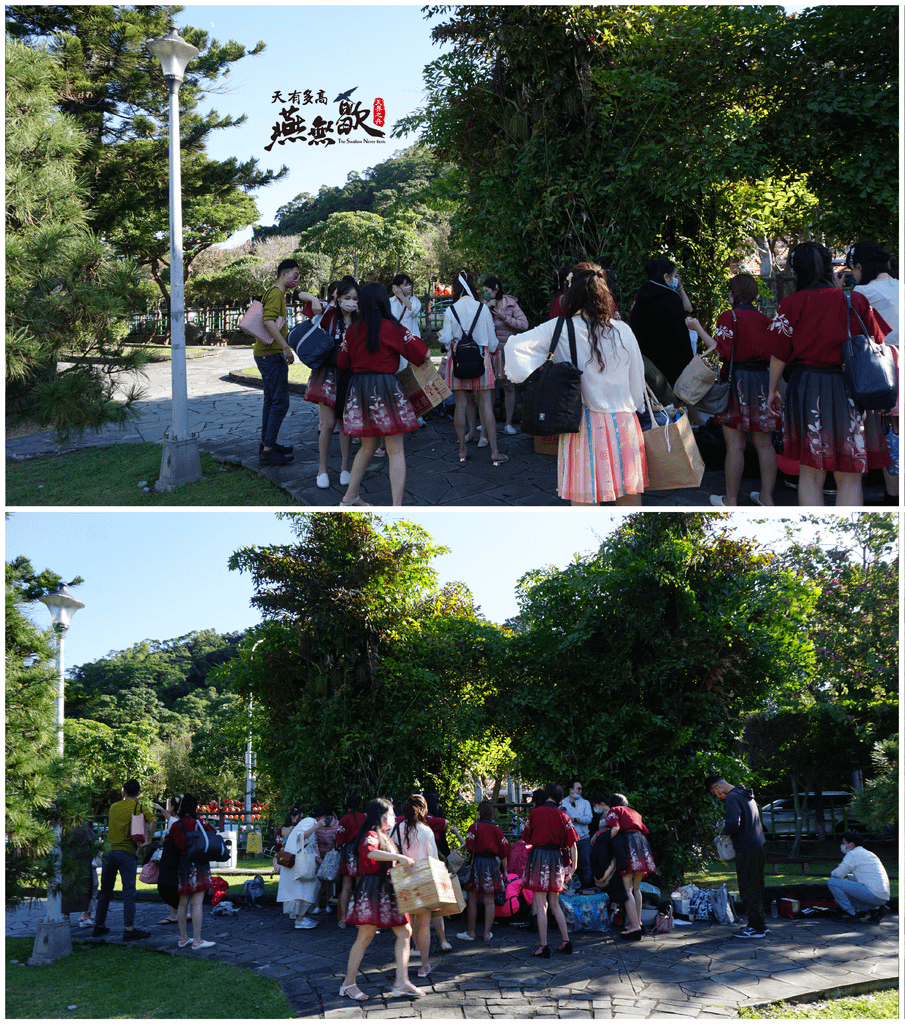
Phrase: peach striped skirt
pixel 604 460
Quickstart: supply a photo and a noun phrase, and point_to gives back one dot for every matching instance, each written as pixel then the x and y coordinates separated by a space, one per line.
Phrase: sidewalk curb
pixel 856 988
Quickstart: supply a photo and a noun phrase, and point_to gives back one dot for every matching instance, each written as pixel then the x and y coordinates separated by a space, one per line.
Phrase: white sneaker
pixel 510 429
pixel 314 910
pixel 716 499
pixel 381 452
pixel 323 481
pixel 465 937
pixel 344 478
pixel 306 922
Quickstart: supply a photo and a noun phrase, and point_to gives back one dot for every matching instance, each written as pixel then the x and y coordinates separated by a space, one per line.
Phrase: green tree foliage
pixel 364 674
pixel 112 87
pixel 392 186
pixel 636 665
pixel 837 114
pixel 36 778
pixel 877 805
pixel 630 131
pixel 379 246
pixel 64 291
pixel 105 757
pixel 812 736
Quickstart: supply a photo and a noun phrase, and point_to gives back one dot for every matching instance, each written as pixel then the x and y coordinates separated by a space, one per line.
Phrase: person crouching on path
pixel 550 833
pixel 376 406
pixel 373 903
pixel 490 853
pixel 860 885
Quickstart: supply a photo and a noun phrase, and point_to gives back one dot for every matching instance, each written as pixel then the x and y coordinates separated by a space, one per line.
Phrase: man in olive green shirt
pixel 121 860
pixel 274 360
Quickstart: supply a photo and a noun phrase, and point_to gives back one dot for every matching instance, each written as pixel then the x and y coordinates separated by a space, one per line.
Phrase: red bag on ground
pixel 220 887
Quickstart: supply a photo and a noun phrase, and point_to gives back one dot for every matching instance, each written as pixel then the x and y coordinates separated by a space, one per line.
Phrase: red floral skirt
pixel 748 398
pixel 633 854
pixel 545 871
pixel 823 428
pixel 374 902
pixel 485 875
pixel 193 877
pixel 321 386
pixel 377 407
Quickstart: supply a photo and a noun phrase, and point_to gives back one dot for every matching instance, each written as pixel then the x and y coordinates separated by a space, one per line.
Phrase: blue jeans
pixel 117 862
pixel 275 375
pixel 853 897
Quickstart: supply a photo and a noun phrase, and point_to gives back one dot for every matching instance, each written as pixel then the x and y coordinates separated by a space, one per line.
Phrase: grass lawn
pixel 717 873
pixel 109 475
pixel 110 981
pixel 298 372
pixel 879 1005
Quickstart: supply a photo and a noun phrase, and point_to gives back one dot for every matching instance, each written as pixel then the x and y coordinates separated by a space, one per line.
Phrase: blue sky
pixel 161 573
pixel 380 49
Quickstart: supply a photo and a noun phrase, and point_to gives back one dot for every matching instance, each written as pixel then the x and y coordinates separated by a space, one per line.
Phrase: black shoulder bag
pixel 869 369
pixel 552 393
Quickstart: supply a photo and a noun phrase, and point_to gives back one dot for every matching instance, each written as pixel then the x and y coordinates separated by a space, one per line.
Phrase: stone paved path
pixel 694 971
pixel 226 416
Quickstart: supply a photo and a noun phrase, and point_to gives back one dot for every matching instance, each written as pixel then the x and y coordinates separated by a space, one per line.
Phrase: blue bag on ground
pixel 586 913
pixel 311 344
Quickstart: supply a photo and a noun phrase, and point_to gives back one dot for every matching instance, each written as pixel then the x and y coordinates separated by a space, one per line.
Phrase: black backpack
pixel 467 355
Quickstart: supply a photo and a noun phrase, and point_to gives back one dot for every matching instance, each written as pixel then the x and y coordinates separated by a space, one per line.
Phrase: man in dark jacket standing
pixel 743 827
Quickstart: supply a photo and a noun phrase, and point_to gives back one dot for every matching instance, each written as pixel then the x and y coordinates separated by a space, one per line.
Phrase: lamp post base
pixel 180 464
pixel 54 940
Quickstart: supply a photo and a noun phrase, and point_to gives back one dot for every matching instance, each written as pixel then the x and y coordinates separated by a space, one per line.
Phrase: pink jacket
pixel 513 321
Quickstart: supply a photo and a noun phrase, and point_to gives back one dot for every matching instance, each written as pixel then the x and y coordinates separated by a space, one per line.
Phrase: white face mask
pixel 842 848
pixel 348 305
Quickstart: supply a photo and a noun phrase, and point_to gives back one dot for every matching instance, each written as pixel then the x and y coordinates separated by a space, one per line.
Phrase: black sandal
pixel 544 952
pixel 566 947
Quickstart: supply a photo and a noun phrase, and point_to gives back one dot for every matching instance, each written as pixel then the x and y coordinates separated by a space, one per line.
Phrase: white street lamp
pixel 53 939
pixel 181 463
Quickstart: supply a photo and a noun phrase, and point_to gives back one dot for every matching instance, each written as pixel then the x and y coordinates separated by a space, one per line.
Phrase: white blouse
pixel 618 388
pixel 484 333
pixel 884 297
pixel 421 842
pixel 409 320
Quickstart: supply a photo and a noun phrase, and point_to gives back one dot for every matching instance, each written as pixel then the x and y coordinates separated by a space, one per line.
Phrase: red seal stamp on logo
pixel 379 112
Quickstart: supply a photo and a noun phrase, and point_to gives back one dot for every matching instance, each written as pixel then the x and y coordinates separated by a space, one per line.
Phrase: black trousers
pixel 749 868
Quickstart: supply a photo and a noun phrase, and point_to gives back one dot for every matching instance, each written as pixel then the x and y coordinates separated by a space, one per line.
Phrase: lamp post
pixel 181 463
pixel 53 939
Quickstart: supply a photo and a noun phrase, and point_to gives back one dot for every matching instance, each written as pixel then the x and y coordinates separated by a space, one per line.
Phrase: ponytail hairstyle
pixel 588 296
pixel 374 307
pixel 554 792
pixel 464 284
pixel 812 266
pixel 415 811
pixel 872 258
pixel 378 809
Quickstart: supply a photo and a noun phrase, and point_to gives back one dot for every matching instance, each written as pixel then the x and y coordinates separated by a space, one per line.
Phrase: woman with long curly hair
pixel 605 460
pixel 416 840
pixel 823 428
